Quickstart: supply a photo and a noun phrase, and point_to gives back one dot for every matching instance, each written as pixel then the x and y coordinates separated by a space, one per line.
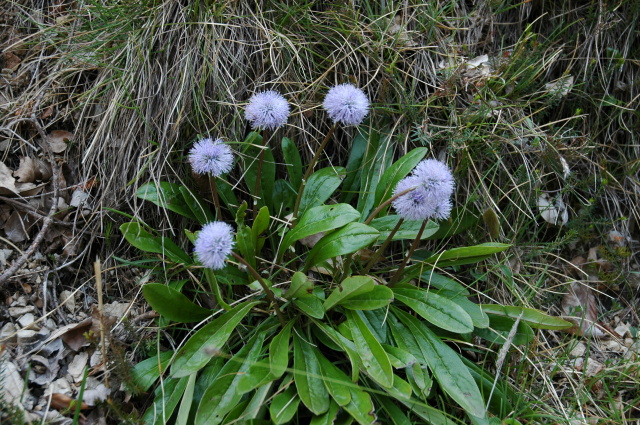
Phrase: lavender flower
pixel 346 104
pixel 431 198
pixel 415 205
pixel 436 177
pixel 211 157
pixel 267 110
pixel 213 244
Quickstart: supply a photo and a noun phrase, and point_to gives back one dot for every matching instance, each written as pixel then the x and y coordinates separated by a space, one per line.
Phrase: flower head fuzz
pixel 346 104
pixel 213 244
pixel 267 110
pixel 211 157
pixel 433 185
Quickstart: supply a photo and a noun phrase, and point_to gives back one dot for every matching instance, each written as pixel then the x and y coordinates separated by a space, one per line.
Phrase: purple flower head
pixel 346 104
pixel 436 177
pixel 213 244
pixel 211 157
pixel 443 210
pixel 415 205
pixel 267 110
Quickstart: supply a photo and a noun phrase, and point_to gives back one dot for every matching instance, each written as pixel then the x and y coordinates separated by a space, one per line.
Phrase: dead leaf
pixel 561 86
pixel 26 172
pixel 11 61
pixel 579 304
pixel 57 140
pixel 63 402
pixel 16 227
pixel 7 182
pixel 554 210
pixel 312 240
pixel 99 393
pixel 75 337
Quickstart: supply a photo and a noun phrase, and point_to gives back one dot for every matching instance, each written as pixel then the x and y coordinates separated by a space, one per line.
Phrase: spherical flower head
pixel 346 104
pixel 417 204
pixel 211 157
pixel 267 110
pixel 443 210
pixel 213 244
pixel 436 178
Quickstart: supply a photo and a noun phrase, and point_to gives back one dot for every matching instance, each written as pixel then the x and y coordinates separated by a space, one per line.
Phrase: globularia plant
pixel 292 320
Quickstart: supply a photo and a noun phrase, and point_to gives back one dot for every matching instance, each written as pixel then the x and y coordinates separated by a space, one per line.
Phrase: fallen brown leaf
pixel 7 181
pixel 580 306
pixel 57 140
pixel 11 61
pixel 61 402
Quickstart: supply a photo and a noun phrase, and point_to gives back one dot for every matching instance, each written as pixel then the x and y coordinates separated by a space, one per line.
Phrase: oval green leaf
pixel 173 304
pixel 396 172
pixel 380 296
pixel 535 318
pixel 347 240
pixel 350 287
pixel 307 377
pixel 320 187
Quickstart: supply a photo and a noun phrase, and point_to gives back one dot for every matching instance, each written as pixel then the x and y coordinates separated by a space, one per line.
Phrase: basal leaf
pixel 167 397
pixel 336 381
pixel 173 304
pixel 500 327
pixel 408 229
pixel 319 219
pixel 292 162
pixel 279 351
pixel 223 394
pixel 374 359
pixel 166 195
pixel 445 365
pixel 320 187
pixel 197 206
pixel 311 306
pixel 380 296
pixel 535 318
pixel 145 241
pixel 197 350
pixel 328 417
pixel 284 406
pixel 466 255
pixel 147 371
pixel 301 287
pixel 350 287
pixel 346 240
pixel 377 159
pixel 307 377
pixel 436 309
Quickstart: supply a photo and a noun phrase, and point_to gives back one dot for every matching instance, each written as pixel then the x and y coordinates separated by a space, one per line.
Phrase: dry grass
pixel 136 82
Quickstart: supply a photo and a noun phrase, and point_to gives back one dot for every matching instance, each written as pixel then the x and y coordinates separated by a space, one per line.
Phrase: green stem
pixel 213 282
pixel 380 251
pixel 265 288
pixel 414 245
pixel 309 171
pixel 216 200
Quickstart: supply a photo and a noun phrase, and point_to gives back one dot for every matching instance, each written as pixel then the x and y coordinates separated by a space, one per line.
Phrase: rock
pixel 21 311
pixel 60 386
pixel 623 330
pixel 77 365
pixel 578 350
pixel 26 336
pixel 27 320
pixel 69 300
pixel 8 333
pixel 633 352
pixel 12 389
pixel 593 367
pixel 613 345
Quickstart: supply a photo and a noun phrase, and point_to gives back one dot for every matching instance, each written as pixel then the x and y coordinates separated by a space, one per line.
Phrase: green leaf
pixel 197 206
pixel 226 193
pixel 408 229
pixel 284 198
pixel 394 413
pixel 478 316
pixel 167 396
pixel 284 406
pixel 319 219
pixel 147 371
pixel 185 404
pixel 254 407
pixel 351 183
pixel 223 394
pixel 145 241
pixel 380 296
pixel 396 172
pixel 466 255
pixel 259 226
pixel 401 358
pixel 311 306
pixel 197 351
pixel 336 381
pixel 350 287
pixel 461 219
pixel 361 407
pixel 301 287
pixel 347 240
pixel 307 377
pixel 268 173
pixel 374 359
pixel 292 162
pixel 166 195
pixel 377 159
pixel 244 243
pixel 534 318
pixel 172 304
pixel 328 417
pixel 446 366
pixel 436 309
pixel 344 345
pixel 500 327
pixel 442 282
pixel 279 351
pixel 320 187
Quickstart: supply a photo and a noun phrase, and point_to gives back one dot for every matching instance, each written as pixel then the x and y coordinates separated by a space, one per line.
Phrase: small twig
pixel 386 204
pixel 384 246
pixel 98 272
